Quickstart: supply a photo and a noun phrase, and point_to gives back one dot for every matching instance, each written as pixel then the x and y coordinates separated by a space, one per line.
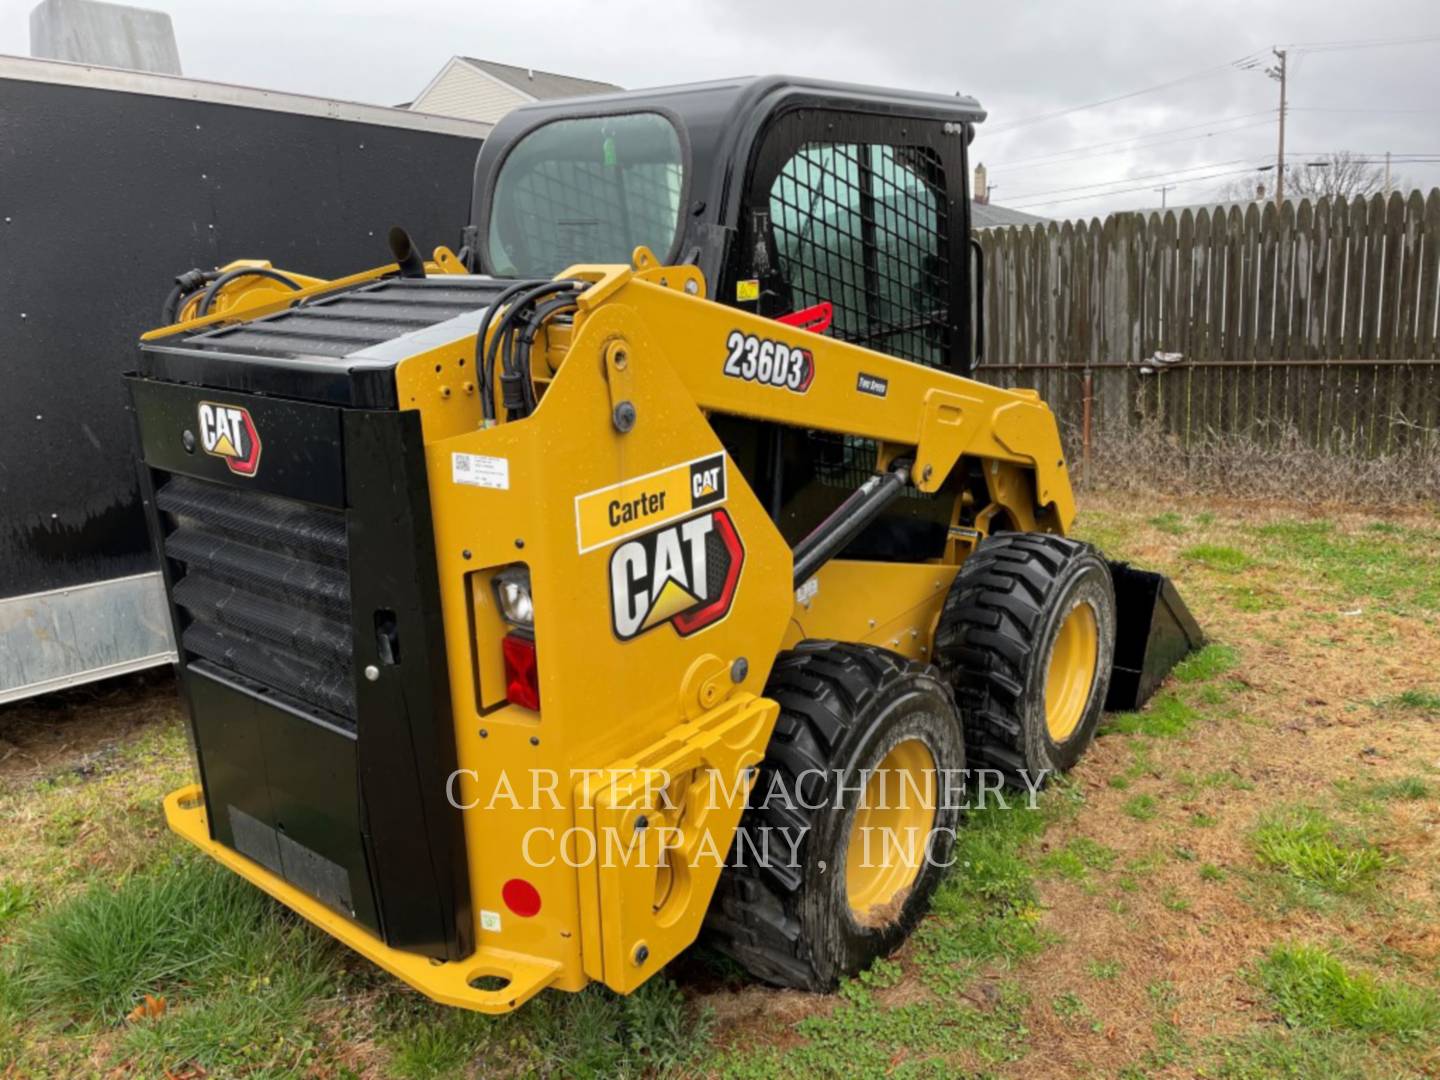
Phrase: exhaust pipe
pixel 411 265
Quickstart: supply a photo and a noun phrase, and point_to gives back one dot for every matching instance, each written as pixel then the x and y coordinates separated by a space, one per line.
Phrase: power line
pixel 1347 109
pixel 1131 179
pixel 1410 158
pixel 1079 153
pixel 1397 159
pixel 1125 191
pixel 1244 63
pixel 1206 73
pixel 1360 43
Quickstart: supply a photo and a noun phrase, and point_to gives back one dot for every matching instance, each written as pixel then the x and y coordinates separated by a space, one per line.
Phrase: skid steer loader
pixel 651 566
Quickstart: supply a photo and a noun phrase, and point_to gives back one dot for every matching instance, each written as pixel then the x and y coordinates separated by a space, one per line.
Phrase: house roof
pixel 541 85
pixel 990 216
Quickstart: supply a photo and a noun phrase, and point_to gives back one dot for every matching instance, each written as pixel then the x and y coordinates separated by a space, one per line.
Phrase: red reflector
pixel 522 680
pixel 521 897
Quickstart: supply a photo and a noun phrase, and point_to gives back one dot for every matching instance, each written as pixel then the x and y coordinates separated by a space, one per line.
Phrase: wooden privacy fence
pixel 1317 319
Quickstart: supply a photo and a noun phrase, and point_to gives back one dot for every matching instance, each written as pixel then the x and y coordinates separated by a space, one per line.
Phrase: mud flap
pixel 1154 632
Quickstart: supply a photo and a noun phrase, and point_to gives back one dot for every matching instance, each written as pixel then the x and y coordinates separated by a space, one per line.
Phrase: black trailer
pixel 111 183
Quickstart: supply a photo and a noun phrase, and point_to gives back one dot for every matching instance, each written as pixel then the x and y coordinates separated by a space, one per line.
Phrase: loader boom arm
pixel 911 410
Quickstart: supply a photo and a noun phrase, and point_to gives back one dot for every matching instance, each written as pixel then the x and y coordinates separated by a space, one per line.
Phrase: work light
pixel 512 593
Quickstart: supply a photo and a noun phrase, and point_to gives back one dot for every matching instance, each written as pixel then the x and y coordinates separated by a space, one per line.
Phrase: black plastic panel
pixel 300 453
pixel 279 602
pixel 280 789
pixel 264 589
pixel 407 730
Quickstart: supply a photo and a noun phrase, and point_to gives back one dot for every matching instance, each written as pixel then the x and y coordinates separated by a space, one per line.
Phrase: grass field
pixel 1240 881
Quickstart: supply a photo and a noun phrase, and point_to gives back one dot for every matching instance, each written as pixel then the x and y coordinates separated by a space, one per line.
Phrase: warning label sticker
pixel 478 470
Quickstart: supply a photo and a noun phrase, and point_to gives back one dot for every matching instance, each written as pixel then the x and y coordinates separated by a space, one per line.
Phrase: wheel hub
pixel 890 832
pixel 1071 671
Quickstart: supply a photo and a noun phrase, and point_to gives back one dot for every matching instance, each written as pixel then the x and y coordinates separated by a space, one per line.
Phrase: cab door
pixel 868 213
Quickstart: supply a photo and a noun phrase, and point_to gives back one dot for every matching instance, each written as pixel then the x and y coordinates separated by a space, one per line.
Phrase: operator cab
pixel 845 208
pixel 787 193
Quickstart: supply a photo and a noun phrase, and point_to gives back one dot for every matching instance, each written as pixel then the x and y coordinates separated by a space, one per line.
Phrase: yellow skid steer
pixel 651 567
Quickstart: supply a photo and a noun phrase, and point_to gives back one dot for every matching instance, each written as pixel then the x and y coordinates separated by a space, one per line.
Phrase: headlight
pixel 512 593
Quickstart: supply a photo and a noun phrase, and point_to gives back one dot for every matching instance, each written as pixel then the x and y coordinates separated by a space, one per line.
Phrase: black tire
pixel 994 641
pixel 843 708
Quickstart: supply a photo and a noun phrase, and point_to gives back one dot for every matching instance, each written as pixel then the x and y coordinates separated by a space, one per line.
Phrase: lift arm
pixel 746 365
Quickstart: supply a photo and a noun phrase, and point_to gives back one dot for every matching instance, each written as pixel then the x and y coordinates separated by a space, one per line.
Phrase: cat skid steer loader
pixel 651 567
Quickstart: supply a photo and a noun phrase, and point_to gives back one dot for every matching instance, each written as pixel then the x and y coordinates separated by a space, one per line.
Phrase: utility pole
pixel 1162 190
pixel 1387 174
pixel 1278 74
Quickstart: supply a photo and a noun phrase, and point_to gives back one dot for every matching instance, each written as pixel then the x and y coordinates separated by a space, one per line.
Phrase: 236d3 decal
pixel 772 363
pixel 685 574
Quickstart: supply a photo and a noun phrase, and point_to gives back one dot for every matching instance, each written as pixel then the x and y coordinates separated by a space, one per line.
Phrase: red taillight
pixel 522 679
pixel 521 897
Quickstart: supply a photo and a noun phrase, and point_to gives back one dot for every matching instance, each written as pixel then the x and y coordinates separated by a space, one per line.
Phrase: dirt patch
pixel 81 729
pixel 755 1014
pixel 1303 709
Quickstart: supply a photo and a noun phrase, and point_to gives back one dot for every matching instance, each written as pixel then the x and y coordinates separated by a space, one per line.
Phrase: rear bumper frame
pixel 449 983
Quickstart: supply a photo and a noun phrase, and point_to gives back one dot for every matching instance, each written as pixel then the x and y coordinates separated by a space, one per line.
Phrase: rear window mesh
pixel 865 227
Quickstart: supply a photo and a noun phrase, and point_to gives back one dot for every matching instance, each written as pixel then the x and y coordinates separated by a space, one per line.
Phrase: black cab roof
pixel 719 123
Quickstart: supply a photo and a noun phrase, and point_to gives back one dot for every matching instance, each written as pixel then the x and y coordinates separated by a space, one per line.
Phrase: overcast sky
pixel 1023 60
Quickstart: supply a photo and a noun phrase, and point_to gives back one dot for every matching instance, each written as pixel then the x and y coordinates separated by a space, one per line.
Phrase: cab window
pixel 586 190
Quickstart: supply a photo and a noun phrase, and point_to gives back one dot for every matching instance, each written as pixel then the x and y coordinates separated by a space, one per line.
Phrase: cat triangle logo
pixel 684 574
pixel 229 433
pixel 673 599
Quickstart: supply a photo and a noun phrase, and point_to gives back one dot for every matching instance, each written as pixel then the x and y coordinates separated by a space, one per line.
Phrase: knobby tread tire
pixel 759 915
pixel 987 637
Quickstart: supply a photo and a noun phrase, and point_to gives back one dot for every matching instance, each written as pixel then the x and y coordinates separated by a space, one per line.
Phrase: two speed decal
pixel 771 363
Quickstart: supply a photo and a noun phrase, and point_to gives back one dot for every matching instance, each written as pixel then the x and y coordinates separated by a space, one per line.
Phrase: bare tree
pixel 1343 174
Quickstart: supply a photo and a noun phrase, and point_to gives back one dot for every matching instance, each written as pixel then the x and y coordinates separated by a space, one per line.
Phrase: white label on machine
pixel 477 470
pixel 805 593
pixel 490 920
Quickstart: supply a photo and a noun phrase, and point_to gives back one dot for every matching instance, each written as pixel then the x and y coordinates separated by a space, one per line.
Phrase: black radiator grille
pixel 264 588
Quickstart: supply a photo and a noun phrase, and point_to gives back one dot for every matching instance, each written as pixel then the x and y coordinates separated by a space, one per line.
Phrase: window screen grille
pixel 864 227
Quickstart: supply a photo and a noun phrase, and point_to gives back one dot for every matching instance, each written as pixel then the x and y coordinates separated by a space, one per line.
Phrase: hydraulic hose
pixel 519 396
pixel 543 313
pixel 185 284
pixel 239 272
pixel 487 386
pixel 506 324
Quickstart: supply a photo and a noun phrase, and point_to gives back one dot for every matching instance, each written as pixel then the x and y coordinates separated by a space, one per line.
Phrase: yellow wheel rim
pixel 890 831
pixel 1071 673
